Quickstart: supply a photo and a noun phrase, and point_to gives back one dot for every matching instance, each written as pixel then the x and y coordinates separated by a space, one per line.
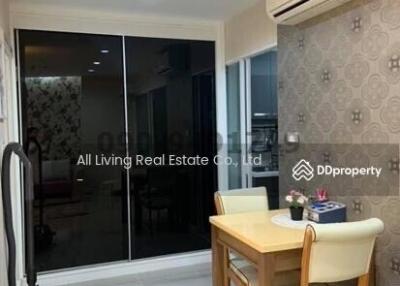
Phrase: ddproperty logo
pixel 303 171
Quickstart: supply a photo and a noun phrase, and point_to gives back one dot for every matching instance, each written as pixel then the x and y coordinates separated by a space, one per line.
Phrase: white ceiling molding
pixel 56 18
pixel 214 10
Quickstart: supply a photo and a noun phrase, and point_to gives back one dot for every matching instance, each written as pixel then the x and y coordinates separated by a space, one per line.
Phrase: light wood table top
pixel 258 231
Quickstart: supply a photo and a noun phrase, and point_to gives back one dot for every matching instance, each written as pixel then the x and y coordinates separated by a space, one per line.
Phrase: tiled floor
pixel 188 276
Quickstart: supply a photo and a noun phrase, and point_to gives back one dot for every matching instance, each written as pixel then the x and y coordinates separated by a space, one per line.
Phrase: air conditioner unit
pixel 292 12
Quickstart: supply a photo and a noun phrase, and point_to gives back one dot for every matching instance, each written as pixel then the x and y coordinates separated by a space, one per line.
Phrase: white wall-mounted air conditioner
pixel 292 12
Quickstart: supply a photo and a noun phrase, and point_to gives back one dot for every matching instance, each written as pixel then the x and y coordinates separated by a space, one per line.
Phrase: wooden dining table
pixel 271 248
pixel 274 250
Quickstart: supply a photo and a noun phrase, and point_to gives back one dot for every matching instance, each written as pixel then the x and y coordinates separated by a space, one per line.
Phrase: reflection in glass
pixel 264 109
pixel 234 120
pixel 72 104
pixel 264 121
pixel 171 111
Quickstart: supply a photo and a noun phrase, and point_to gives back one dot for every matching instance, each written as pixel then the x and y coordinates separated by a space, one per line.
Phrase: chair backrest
pixel 241 200
pixel 339 252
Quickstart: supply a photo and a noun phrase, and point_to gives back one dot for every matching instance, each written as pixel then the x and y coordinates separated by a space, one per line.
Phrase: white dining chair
pixel 237 269
pixel 339 252
pixel 241 200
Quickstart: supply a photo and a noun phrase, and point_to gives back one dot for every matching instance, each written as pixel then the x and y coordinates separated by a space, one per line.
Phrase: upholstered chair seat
pixel 247 274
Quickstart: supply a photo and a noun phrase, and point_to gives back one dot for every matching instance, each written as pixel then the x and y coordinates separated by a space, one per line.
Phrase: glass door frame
pixel 246 113
pixel 244 119
pixel 60 20
pixel 20 183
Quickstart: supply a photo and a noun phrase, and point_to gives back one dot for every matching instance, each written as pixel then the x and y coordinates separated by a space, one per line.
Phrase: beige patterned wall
pixel 340 83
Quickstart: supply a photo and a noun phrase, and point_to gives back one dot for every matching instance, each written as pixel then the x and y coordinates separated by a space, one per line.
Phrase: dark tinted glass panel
pixel 234 128
pixel 264 105
pixel 171 107
pixel 73 104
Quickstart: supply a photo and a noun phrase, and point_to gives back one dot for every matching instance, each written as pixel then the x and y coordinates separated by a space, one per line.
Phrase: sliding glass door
pixel 73 106
pixel 236 124
pixel 171 112
pixel 83 109
pixel 253 124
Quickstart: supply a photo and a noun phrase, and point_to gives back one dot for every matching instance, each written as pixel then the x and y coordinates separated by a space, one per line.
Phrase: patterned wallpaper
pixel 54 108
pixel 339 82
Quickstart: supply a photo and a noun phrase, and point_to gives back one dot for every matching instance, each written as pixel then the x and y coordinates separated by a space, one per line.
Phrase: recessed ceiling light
pixel 96 63
pixel 104 51
pixel 90 70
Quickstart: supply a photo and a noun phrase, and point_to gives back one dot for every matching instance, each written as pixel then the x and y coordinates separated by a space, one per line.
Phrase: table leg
pixel 372 272
pixel 226 263
pixel 266 269
pixel 217 258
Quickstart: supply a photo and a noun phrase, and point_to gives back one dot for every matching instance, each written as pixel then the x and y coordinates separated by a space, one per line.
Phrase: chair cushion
pixel 247 273
pixel 244 271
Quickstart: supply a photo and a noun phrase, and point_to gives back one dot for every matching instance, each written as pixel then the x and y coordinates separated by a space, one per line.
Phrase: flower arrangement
pixel 321 195
pixel 296 199
pixel 297 202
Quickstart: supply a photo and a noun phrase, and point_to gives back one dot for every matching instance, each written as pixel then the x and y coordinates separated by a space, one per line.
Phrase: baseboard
pixel 119 269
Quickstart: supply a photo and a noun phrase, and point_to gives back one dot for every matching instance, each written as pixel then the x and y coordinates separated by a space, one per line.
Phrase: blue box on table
pixel 327 212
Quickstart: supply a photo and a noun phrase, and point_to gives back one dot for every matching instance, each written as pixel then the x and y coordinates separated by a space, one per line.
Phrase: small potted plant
pixel 297 202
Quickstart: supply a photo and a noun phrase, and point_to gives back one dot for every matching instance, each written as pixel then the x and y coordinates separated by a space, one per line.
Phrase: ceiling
pixel 198 9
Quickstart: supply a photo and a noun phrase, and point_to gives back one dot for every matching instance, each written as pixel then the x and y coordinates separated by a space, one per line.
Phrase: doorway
pixel 253 123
